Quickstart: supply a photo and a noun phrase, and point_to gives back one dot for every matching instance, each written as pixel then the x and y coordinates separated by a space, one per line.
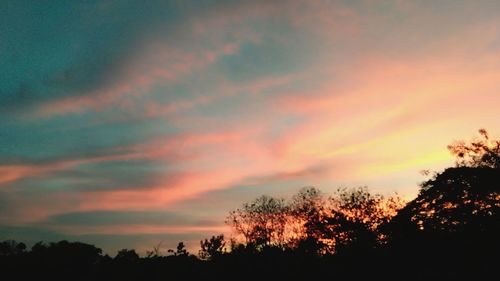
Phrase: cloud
pixel 11 173
pixel 137 56
pixel 128 218
pixel 77 64
pixel 127 222
pixel 158 118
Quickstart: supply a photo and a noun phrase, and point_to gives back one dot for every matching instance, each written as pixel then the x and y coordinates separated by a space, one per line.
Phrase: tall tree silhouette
pixel 454 222
pixel 261 222
pixel 463 197
pixel 307 209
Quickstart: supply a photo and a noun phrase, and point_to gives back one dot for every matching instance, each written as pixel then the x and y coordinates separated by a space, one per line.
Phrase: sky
pixel 126 124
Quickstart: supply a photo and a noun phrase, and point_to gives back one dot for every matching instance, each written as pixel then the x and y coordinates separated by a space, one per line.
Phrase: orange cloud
pixel 12 173
pixel 138 229
pixel 384 114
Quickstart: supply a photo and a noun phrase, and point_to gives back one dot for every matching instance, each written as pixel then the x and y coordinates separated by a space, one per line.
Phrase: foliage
pixel 127 255
pixel 461 197
pixel 212 248
pixel 307 209
pixel 260 222
pixel 312 223
pixel 180 250
pixel 156 252
pixel 350 219
pixel 456 213
pixel 11 248
pixel 479 153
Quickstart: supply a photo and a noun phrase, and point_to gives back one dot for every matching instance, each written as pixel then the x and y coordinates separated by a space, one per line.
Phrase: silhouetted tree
pixel 307 208
pixel 180 250
pixel 362 213
pixel 313 224
pixel 127 255
pixel 213 247
pixel 65 260
pixel 156 252
pixel 479 153
pixel 351 220
pixel 454 223
pixel 460 197
pixel 61 250
pixel 261 222
pixel 11 248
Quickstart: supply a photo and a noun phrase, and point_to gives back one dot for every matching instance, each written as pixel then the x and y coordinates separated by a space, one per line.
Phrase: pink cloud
pixel 163 62
pixel 390 115
pixel 133 84
pixel 139 229
pixel 10 173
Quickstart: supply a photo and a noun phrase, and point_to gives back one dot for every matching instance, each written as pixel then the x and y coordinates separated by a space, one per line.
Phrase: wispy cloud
pixel 129 113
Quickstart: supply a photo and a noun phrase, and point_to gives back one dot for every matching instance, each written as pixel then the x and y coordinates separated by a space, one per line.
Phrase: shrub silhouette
pixel 212 248
pixel 126 255
pixel 11 248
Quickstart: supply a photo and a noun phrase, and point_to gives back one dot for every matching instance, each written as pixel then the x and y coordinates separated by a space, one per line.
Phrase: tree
pixel 462 197
pixel 351 219
pixel 156 252
pixel 454 223
pixel 457 198
pixel 261 222
pixel 180 250
pixel 212 248
pixel 127 255
pixel 359 214
pixel 482 152
pixel 313 224
pixel 11 248
pixel 306 210
pixel 60 251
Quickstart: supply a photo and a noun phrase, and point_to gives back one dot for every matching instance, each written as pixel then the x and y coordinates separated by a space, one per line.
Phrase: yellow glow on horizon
pixel 427 160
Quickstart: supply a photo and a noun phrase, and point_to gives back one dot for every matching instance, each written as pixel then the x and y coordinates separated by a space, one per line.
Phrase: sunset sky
pixel 128 123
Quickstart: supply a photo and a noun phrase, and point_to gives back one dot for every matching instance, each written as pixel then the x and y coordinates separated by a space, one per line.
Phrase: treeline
pixel 450 231
pixel 312 223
